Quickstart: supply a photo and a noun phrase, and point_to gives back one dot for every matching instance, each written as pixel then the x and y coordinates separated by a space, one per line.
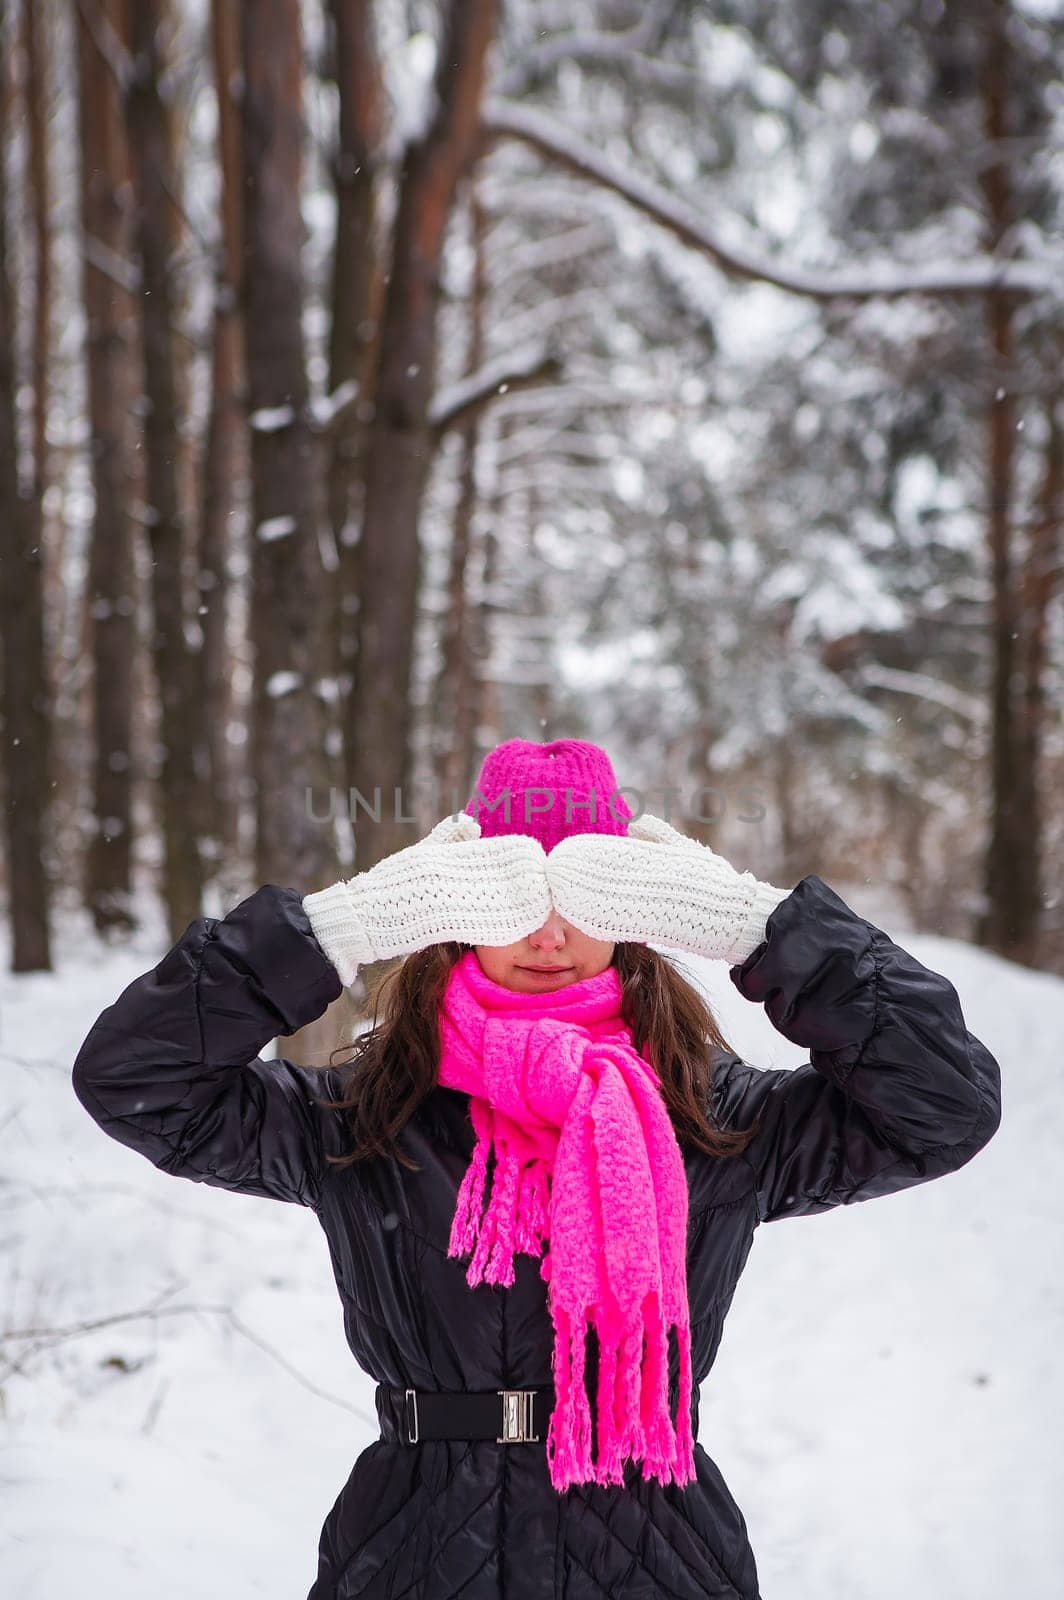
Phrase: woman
pixel 537 1359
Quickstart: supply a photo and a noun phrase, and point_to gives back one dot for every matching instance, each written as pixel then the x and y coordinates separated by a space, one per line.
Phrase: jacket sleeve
pixel 171 1068
pixel 896 1092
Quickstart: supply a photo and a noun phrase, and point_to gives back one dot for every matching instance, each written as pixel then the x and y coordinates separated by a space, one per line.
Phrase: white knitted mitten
pixel 656 885
pixel 452 884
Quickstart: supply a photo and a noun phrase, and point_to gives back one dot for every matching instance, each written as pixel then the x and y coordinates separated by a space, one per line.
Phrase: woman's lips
pixel 547 972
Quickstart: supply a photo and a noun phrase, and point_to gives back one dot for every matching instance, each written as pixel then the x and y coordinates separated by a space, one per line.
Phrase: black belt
pixel 509 1416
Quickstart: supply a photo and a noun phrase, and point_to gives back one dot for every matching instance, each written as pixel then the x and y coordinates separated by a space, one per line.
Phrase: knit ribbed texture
pixel 335 924
pixel 548 791
pixel 766 898
pixel 661 888
pixel 585 1158
pixel 448 886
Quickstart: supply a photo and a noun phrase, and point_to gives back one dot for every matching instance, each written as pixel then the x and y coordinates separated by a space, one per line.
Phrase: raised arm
pixel 171 1069
pixel 896 1092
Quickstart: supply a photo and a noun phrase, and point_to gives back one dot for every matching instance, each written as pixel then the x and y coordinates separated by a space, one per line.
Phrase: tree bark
pixel 1009 920
pixel 287 603
pixel 224 466
pixel 111 595
pixel 25 700
pixel 400 444
pixel 1041 581
pixel 40 193
pixel 455 696
pixel 181 805
pixel 485 712
pixel 357 296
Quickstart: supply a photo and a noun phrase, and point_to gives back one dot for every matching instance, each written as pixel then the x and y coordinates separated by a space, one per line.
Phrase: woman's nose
pixel 550 934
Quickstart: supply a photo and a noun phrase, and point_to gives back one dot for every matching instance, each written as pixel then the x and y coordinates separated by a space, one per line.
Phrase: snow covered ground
pixel 886 1406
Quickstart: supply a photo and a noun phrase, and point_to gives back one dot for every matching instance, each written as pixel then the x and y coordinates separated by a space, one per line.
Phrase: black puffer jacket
pixel 897 1092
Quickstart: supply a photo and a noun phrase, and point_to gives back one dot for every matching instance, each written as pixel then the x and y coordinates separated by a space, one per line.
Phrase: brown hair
pixel 395 1063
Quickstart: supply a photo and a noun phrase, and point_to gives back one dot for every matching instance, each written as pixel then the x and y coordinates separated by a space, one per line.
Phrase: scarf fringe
pixel 466 1221
pixel 516 1219
pixel 632 1412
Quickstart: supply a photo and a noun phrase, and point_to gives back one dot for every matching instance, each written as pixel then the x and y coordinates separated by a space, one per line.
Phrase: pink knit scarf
pixel 585 1156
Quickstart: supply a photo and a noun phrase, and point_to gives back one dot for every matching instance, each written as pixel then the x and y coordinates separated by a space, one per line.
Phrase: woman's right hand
pixel 451 885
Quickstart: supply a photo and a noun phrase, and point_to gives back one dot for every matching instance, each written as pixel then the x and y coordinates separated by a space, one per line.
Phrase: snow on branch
pixel 271 419
pixel 456 403
pixel 118 268
pixel 861 281
pixel 924 687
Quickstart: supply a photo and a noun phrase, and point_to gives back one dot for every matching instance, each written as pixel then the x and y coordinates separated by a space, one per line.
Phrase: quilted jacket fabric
pixel 896 1092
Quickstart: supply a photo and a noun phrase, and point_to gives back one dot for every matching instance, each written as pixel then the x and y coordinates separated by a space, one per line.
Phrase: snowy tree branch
pixel 924 687
pixel 120 270
pixel 862 281
pixel 517 369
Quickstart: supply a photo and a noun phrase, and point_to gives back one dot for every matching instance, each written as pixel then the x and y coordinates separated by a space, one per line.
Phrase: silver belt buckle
pixel 412 1438
pixel 517 1417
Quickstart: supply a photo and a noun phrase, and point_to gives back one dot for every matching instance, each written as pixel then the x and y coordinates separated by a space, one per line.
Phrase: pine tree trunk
pixel 401 442
pixel 455 699
pixel 111 596
pixel 38 19
pixel 1010 919
pixel 181 805
pixel 357 294
pixel 289 765
pixel 25 698
pixel 484 713
pixel 224 466
pixel 1041 581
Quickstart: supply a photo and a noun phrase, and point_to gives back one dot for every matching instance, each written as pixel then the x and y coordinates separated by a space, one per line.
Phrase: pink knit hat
pixel 548 791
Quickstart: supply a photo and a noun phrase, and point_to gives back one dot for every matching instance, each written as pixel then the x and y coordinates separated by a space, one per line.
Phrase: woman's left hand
pixel 656 885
